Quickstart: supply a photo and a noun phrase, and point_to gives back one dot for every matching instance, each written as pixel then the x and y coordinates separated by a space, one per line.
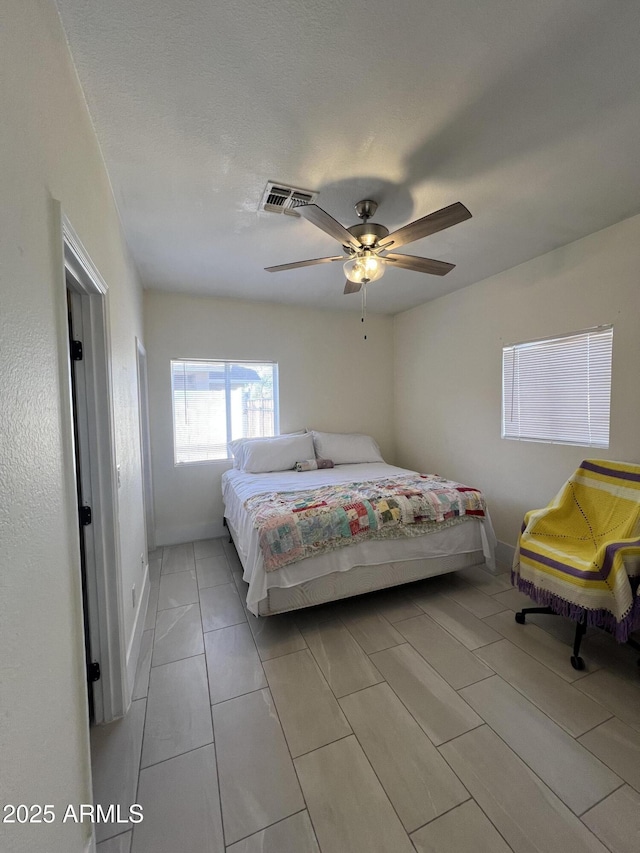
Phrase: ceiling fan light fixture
pixel 363 243
pixel 364 268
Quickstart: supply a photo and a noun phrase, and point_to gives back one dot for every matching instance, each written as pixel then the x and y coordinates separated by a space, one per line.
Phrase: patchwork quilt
pixel 295 525
pixel 580 555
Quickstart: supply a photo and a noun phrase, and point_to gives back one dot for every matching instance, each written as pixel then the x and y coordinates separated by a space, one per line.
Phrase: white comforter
pixel 474 535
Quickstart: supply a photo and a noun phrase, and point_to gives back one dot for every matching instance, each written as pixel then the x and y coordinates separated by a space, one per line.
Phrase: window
pixel 215 402
pixel 559 390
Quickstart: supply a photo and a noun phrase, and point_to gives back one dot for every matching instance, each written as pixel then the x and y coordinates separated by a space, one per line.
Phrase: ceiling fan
pixel 367 244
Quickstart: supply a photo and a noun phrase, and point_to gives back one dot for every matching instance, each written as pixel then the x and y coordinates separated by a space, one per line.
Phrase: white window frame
pixel 526 401
pixel 225 362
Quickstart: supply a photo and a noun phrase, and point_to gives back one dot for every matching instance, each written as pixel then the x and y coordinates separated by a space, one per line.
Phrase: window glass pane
pixel 216 401
pixel 559 390
pixel 252 401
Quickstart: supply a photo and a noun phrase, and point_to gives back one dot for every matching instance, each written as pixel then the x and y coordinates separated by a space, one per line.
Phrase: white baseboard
pixel 505 554
pixel 189 533
pixel 133 651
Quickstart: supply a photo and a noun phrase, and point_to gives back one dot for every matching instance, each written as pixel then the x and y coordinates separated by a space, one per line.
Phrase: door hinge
pixel 85 515
pixel 94 671
pixel 76 350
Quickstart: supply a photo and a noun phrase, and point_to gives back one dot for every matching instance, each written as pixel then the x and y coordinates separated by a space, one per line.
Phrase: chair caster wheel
pixel 520 618
pixel 577 663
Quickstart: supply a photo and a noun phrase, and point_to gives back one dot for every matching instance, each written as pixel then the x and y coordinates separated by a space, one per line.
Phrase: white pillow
pixel 344 448
pixel 236 447
pixel 276 454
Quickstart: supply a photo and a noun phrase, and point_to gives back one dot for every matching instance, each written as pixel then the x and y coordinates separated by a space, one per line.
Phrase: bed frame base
pixel 362 579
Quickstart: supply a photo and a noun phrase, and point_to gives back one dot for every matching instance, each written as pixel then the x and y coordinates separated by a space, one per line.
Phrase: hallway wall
pixel 49 154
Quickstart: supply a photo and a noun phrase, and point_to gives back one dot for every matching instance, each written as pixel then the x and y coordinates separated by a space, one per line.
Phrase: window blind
pixel 215 402
pixel 559 389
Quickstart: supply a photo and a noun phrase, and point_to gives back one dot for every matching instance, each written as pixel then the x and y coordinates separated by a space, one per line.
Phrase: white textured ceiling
pixel 527 112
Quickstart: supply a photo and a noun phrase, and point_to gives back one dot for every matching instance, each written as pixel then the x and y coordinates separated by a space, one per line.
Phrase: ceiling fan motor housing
pixel 363 243
pixel 368 233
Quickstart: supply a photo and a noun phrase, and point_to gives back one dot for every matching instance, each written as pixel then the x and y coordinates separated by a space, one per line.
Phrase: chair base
pixel 576 661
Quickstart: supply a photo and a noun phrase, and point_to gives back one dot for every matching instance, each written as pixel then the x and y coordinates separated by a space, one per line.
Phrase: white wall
pixel 48 151
pixel 448 369
pixel 330 379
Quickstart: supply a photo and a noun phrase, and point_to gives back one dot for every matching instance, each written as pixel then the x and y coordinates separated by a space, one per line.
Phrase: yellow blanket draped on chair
pixel 581 553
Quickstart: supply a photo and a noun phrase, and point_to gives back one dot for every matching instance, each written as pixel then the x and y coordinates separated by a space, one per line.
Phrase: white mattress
pixel 472 534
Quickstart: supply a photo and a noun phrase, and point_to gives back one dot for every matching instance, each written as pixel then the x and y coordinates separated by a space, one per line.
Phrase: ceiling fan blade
pixel 438 221
pixel 317 216
pixel 298 264
pixel 352 287
pixel 411 262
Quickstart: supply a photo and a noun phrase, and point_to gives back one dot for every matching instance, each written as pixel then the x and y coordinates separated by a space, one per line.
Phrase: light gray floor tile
pixel 527 814
pixel 618 658
pixel 558 626
pixel 430 586
pixel 232 556
pixel 203 548
pixel 115 761
pixel 514 600
pixel 473 599
pixel 348 807
pixel 435 704
pixel 213 571
pixel 141 683
pixel 539 644
pixel 559 700
pixel 342 661
pixel 618 745
pixel 570 770
pixel 178 588
pixel 308 710
pixel 258 784
pixel 178 712
pixel 275 635
pixel 292 835
pixel 465 829
pixel 485 580
pixel 311 617
pixel 178 634
pixel 465 627
pixel 370 629
pixel 220 607
pixel 242 589
pixel 181 806
pixel 152 607
pixel 616 821
pixel 416 778
pixel 117 844
pixel 232 662
pixel 455 663
pixel 621 697
pixel 178 558
pixel 394 604
pixel 524 809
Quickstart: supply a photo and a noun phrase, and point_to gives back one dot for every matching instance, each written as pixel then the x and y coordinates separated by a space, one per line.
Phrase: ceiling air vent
pixel 279 198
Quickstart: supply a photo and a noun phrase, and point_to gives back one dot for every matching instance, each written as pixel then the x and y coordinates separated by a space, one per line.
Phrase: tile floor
pixel 416 719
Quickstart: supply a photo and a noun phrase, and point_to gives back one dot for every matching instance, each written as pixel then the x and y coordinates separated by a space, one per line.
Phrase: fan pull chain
pixel 364 309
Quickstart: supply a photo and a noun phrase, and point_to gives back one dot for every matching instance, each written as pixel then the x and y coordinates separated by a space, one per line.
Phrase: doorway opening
pixel 94 461
pixel 82 487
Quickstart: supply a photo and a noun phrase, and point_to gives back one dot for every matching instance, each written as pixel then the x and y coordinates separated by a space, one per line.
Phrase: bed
pixel 281 580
